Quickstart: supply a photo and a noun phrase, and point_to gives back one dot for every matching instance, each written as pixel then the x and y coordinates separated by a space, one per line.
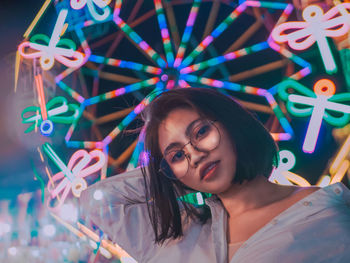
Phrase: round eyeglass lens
pixel 204 137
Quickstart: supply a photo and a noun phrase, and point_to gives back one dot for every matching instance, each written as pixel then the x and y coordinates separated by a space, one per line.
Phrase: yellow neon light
pixel 40 154
pixel 69 227
pixel 296 179
pixel 88 232
pixel 17 64
pixel 36 19
pixel 114 249
pixel 81 235
pixel 343 152
pixel 338 177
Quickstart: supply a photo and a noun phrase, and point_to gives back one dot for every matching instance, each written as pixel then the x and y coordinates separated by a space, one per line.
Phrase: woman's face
pixel 210 172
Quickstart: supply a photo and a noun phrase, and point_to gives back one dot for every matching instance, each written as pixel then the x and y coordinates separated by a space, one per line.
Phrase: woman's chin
pixel 217 188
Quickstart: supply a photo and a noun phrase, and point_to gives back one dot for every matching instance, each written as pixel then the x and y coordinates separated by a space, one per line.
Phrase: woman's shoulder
pixel 329 200
pixel 301 192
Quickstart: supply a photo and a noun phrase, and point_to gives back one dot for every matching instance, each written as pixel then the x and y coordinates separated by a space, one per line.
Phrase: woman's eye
pixel 202 131
pixel 177 156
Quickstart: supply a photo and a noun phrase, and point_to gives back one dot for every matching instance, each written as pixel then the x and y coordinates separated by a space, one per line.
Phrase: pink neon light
pixel 191 18
pixel 256 91
pixel 207 41
pixel 183 84
pixel 143 45
pixel 117 6
pixel 281 136
pixel 218 84
pixel 170 84
pixel 316 27
pixel 119 21
pixel 253 3
pixel 243 6
pixel 39 85
pixel 288 10
pixel 230 55
pixel 79 165
pixel 302 73
pixel 158 4
pixel 165 33
pixel 119 92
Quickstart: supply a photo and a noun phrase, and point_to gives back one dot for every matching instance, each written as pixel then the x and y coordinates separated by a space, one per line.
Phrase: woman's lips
pixel 208 170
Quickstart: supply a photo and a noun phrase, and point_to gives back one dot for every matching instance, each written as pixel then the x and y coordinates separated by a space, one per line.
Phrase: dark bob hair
pixel 256 153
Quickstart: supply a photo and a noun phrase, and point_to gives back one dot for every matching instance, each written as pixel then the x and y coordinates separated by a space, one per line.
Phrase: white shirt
pixel 315 229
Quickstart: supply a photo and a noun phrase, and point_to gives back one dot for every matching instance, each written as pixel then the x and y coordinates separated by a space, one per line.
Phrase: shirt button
pixel 274 221
pixel 337 191
pixel 307 203
pixel 244 245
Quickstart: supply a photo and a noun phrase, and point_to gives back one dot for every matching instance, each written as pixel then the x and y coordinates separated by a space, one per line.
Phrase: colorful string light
pixel 139 41
pixel 121 91
pixel 227 57
pixel 125 64
pixel 164 32
pixel 187 33
pixel 217 32
pixel 125 122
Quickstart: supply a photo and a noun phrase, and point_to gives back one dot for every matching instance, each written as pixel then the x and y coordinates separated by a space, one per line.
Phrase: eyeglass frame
pixel 173 177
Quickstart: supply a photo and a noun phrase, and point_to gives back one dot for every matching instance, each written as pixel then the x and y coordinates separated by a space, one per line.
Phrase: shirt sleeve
pixel 117 205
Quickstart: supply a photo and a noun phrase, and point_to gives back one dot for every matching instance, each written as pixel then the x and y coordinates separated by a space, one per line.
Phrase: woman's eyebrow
pixel 170 146
pixel 187 133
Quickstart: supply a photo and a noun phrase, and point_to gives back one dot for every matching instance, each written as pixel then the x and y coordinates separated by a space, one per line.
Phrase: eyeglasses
pixel 204 137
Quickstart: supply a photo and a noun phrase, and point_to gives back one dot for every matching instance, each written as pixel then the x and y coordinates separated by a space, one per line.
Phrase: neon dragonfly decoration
pixel 316 27
pixel 317 103
pixel 71 176
pixel 91 5
pixel 56 113
pixel 282 175
pixel 49 49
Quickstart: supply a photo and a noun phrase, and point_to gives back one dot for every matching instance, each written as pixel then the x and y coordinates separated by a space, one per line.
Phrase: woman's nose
pixel 195 156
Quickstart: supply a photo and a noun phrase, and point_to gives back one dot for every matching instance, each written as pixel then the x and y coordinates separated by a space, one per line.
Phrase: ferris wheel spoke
pixel 217 32
pixel 164 32
pixel 187 33
pixel 136 37
pixel 227 57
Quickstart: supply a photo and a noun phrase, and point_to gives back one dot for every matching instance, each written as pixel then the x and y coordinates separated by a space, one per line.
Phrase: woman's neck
pixel 254 194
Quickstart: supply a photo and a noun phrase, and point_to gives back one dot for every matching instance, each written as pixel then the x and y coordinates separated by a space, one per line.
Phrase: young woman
pixel 201 140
